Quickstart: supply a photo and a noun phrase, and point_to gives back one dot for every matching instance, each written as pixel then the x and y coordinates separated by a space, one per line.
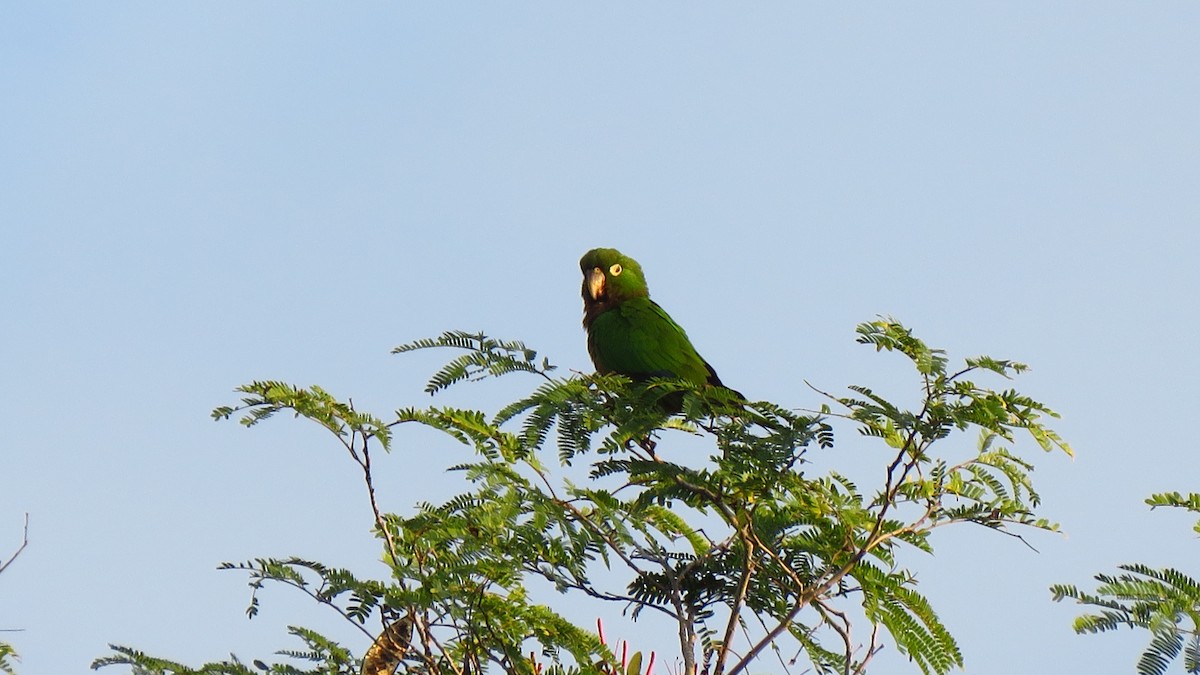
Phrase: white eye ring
pixel 615 270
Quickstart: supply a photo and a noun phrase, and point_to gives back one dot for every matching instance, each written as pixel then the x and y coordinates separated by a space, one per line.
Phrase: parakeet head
pixel 609 278
pixel 609 275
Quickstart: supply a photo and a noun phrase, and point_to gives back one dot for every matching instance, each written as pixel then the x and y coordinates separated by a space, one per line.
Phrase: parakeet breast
pixel 637 338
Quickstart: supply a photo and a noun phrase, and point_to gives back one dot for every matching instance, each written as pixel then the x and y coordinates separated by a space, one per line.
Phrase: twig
pixel 873 649
pixel 303 587
pixel 24 543
pixel 842 629
pixel 365 464
pixel 774 647
pixel 735 609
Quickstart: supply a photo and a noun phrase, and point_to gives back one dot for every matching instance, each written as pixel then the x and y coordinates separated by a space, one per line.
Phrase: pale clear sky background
pixel 194 195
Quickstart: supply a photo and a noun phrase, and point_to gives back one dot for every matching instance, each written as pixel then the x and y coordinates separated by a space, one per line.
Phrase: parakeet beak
pixel 595 283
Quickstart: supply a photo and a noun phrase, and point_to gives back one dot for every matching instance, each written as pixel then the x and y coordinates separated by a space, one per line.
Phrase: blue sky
pixel 194 195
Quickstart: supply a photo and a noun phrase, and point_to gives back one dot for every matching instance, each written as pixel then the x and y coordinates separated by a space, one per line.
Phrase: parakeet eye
pixel 615 270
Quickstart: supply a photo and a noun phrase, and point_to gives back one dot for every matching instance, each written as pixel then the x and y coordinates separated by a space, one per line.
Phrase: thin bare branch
pixel 24 543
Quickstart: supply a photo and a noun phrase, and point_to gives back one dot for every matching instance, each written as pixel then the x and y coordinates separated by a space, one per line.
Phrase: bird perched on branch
pixel 628 333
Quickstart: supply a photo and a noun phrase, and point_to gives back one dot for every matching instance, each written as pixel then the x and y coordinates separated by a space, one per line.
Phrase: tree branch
pixel 24 543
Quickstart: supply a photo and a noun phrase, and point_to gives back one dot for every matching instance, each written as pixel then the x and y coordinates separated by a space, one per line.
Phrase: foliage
pixel 327 658
pixel 746 552
pixel 621 663
pixel 7 655
pixel 1165 602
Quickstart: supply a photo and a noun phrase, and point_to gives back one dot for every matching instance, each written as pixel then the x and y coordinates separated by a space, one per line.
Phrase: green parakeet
pixel 628 333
